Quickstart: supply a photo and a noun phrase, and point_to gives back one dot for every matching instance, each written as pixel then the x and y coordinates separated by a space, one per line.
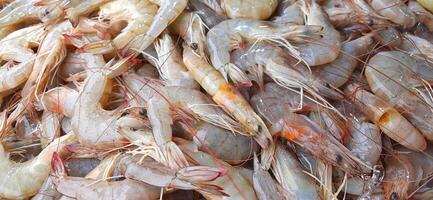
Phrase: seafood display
pixel 216 99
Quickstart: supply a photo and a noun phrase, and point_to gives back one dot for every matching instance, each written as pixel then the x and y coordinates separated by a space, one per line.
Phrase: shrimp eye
pixel 393 196
pixel 247 72
pixel 142 111
pixel 259 128
pixel 194 46
pixel 123 114
pixel 339 158
pixel 133 129
pixel 46 12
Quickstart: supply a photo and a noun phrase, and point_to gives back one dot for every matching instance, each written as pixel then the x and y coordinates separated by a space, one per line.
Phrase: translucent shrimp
pixel 264 185
pixel 426 4
pixel 14 184
pixel 93 125
pixel 318 141
pixel 190 27
pixel 50 54
pixel 387 118
pixel 50 125
pixel 249 9
pixel 400 80
pixel 290 174
pixel 231 148
pixel 138 14
pixel 422 14
pixel 290 15
pixel 417 46
pixel 233 183
pixel 326 49
pixel 395 11
pixel 228 35
pixel 282 68
pixel 168 11
pixel 226 95
pixel 339 71
pixel 189 178
pixel 170 64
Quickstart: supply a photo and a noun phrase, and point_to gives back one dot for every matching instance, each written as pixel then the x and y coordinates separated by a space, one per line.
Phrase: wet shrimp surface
pixel 216 99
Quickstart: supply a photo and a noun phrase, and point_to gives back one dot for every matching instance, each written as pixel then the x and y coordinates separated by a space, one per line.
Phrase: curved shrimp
pixel 93 125
pixel 138 14
pixel 226 95
pixel 190 27
pixel 426 4
pixel 282 68
pixel 403 82
pixel 387 118
pixel 326 49
pixel 13 184
pixel 170 64
pixel 228 35
pixel 233 183
pixel 395 11
pixel 189 178
pixel 290 174
pixel 168 11
pixel 50 54
pixel 75 63
pixel 249 9
pixel 339 71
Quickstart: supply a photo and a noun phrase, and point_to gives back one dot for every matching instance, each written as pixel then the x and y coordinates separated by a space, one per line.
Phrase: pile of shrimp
pixel 216 99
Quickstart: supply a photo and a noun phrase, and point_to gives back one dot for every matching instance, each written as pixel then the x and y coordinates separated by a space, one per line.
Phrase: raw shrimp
pixel 365 142
pixel 336 126
pixel 233 183
pixel 426 4
pixel 50 127
pixel 228 35
pixel 171 66
pixel 231 148
pixel 83 8
pixel 387 118
pixel 190 27
pixel 276 99
pixel 264 185
pixel 327 48
pixel 395 11
pixel 399 79
pixel 59 100
pixel 291 15
pixel 14 76
pixel 189 178
pixel 290 174
pixel 226 95
pixel 318 141
pixel 51 52
pixel 93 125
pixel 168 11
pixel 417 46
pixel 137 13
pixel 19 11
pixel 423 15
pixel 14 182
pixel 249 9
pixel 282 68
pixel 209 16
pixel 82 188
pixel 339 71
pixel 401 176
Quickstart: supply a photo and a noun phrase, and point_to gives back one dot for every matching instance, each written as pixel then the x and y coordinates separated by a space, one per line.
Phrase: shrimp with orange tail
pixel 14 182
pixel 387 118
pixel 228 96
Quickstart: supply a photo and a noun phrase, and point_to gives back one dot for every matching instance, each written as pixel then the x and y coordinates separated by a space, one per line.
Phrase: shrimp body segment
pixel 249 9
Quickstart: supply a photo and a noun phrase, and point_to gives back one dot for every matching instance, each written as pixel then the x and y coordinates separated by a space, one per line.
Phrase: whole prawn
pixel 226 95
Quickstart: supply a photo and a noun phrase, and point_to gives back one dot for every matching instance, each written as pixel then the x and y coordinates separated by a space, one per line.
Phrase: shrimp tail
pixel 174 156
